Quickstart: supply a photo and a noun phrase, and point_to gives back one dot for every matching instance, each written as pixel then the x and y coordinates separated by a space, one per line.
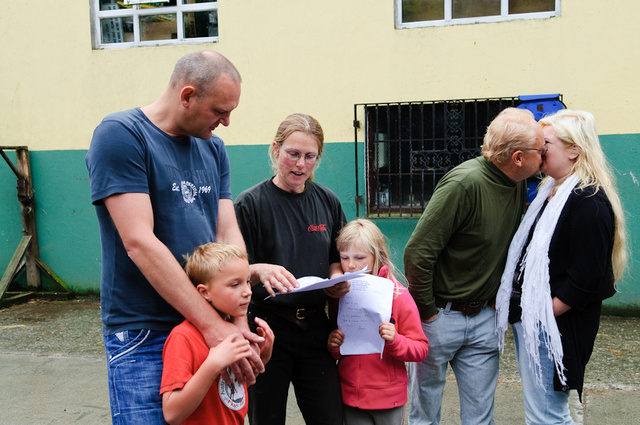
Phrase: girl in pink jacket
pixel 374 389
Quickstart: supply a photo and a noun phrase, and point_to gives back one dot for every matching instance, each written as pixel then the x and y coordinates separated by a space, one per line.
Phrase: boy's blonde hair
pixel 207 261
pixel 365 235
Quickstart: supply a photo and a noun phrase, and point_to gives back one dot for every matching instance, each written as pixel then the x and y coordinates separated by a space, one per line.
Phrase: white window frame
pixel 136 12
pixel 448 20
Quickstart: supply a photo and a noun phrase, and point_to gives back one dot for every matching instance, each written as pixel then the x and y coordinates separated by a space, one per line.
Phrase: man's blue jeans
pixel 470 345
pixel 542 405
pixel 134 361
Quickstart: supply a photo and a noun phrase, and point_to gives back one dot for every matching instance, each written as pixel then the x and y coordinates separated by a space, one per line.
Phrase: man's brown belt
pixel 468 308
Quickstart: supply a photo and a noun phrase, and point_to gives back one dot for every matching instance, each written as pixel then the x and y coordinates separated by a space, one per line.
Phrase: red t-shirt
pixel 184 352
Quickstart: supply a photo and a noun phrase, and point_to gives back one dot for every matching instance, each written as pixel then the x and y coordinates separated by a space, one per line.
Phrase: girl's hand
pixel 338 290
pixel 336 338
pixel 266 347
pixel 387 331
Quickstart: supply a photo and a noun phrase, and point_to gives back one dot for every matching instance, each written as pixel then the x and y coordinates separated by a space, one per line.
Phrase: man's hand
pixel 273 277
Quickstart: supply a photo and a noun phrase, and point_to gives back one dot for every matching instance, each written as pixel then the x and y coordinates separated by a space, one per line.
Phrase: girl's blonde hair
pixel 364 234
pixel 207 261
pixel 578 128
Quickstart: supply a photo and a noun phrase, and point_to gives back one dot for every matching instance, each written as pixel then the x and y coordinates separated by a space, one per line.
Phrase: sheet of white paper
pixel 360 313
pixel 309 283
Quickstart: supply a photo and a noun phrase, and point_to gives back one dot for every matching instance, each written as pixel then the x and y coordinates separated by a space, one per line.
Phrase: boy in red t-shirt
pixel 192 389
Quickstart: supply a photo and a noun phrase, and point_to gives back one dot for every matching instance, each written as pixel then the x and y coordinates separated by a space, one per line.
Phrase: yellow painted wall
pixel 319 57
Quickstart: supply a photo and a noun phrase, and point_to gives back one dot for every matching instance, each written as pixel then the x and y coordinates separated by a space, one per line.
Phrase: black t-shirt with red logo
pixel 296 231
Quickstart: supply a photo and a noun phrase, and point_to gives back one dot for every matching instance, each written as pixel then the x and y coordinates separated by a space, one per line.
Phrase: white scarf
pixel 536 302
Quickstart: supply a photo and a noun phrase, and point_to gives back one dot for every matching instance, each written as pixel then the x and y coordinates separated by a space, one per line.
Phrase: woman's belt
pixel 295 315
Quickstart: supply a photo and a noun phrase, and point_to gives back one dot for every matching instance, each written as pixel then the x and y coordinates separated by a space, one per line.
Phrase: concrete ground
pixel 52 371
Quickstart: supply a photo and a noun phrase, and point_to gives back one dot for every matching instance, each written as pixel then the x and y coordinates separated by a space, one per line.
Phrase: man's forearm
pixel 164 273
pixel 132 215
pixel 422 293
pixel 420 259
pixel 227 225
pixel 420 280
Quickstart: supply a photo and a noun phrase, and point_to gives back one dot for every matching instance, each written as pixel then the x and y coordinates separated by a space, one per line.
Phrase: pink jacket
pixel 369 382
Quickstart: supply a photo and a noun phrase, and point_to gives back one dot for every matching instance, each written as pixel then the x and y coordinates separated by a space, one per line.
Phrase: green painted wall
pixel 67 227
pixel 68 230
pixel 623 152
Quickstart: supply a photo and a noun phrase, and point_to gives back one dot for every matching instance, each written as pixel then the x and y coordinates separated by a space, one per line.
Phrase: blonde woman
pixel 563 262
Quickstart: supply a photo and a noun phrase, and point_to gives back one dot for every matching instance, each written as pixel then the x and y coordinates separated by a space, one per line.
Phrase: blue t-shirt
pixel 185 177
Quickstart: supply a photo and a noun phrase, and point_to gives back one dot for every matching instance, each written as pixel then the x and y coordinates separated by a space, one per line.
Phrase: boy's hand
pixel 387 331
pixel 229 351
pixel 336 338
pixel 246 369
pixel 266 346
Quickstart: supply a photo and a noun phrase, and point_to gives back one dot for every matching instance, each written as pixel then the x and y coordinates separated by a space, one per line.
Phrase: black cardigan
pixel 581 275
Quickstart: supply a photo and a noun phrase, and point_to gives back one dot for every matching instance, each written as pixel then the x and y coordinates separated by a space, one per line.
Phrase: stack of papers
pixel 310 283
pixel 360 312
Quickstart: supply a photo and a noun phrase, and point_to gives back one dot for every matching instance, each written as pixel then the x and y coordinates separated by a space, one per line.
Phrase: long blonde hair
pixel 578 128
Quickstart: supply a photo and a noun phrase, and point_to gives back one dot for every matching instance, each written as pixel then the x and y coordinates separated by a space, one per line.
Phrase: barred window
pixel 409 146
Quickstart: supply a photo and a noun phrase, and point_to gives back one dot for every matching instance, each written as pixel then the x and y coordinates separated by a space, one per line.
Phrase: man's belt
pixel 468 308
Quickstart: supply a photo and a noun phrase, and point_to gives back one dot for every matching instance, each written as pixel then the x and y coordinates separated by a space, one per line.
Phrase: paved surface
pixel 52 371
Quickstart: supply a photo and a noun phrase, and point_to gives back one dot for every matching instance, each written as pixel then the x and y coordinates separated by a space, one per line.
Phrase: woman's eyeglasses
pixel 295 156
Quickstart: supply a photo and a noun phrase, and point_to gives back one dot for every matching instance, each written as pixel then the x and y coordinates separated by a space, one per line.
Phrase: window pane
pixel 108 5
pixel 529 6
pixel 201 24
pixel 158 27
pixel 112 30
pixel 422 10
pixel 116 30
pixel 474 8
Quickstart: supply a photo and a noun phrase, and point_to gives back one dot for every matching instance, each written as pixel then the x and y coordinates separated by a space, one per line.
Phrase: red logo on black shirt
pixel 317 228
